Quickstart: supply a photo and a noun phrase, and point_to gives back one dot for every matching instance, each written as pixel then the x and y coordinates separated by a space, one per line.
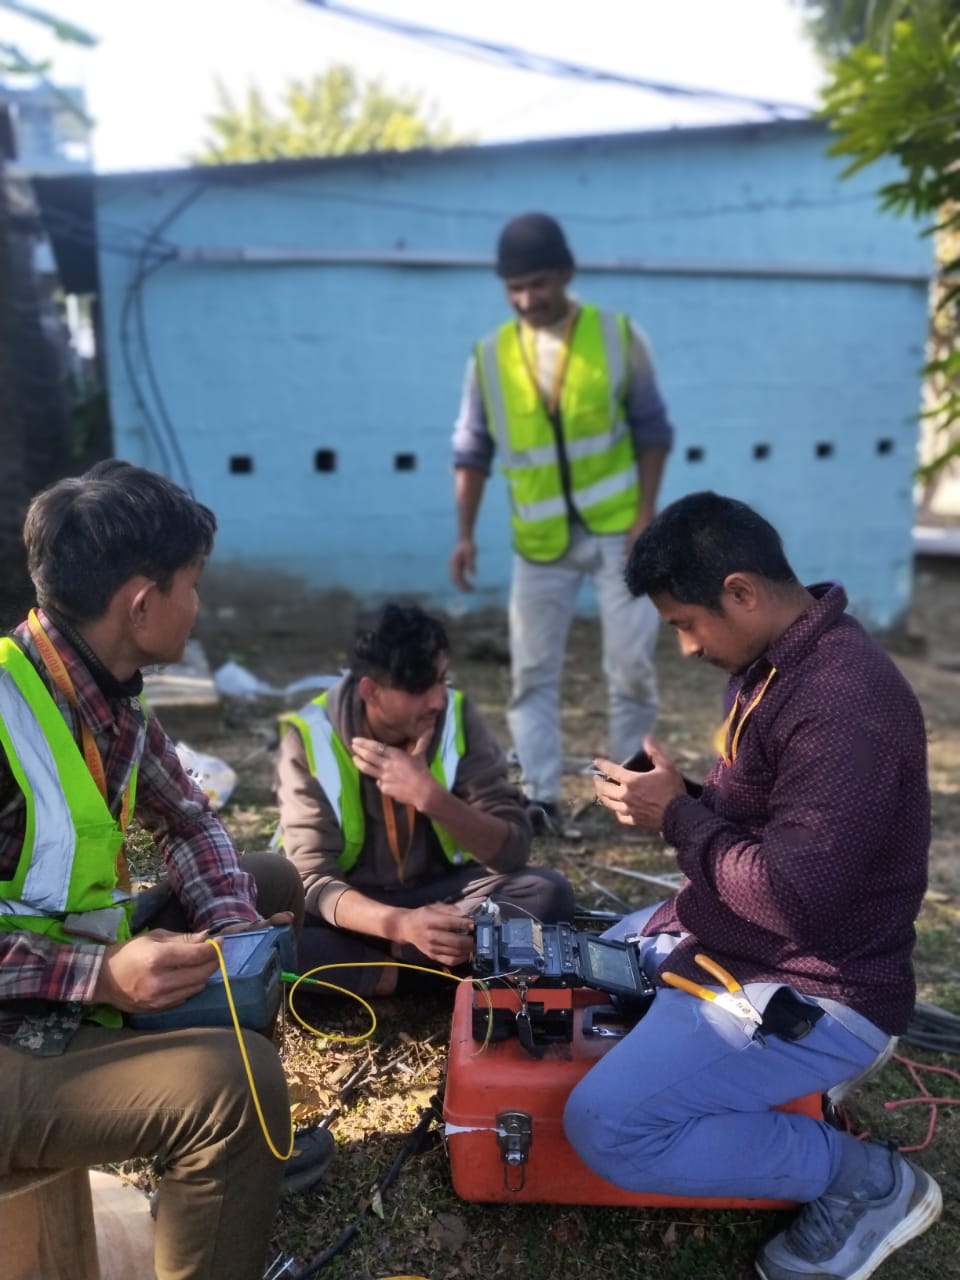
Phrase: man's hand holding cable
pixel 156 970
pixel 638 799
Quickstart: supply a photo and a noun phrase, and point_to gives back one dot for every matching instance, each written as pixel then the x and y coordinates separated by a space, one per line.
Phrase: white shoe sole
pixel 921 1217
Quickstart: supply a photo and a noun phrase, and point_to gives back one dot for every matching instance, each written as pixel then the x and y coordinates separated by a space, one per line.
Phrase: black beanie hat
pixel 532 242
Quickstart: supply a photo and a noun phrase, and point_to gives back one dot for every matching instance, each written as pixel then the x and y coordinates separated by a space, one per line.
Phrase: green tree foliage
pixel 332 114
pixel 898 94
pixel 837 26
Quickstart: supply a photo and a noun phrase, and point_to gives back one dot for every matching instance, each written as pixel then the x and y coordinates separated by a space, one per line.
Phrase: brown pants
pixel 180 1095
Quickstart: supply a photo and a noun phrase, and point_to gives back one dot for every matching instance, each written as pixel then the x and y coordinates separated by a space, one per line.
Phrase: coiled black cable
pixel 933 1028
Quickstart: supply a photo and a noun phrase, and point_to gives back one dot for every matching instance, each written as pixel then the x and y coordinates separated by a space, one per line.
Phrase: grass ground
pixel 372 1093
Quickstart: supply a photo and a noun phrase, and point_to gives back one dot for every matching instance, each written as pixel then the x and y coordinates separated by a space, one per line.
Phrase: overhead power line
pixel 544 64
pixel 62 29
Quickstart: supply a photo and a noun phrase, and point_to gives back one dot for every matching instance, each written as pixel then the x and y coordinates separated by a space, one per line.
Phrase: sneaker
pixel 548 819
pixel 313 1152
pixel 846 1238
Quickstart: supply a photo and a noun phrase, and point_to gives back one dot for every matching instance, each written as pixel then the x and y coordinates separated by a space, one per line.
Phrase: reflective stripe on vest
pixel 331 764
pixel 68 863
pixel 597 439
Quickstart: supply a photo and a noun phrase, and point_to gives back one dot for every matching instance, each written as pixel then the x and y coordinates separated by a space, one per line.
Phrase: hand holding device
pixel 637 796
pixel 440 930
pixel 639 762
pixel 156 970
pixel 254 960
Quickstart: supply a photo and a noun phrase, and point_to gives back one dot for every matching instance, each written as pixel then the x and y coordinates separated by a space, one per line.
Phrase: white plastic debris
pixel 306 683
pixel 237 682
pixel 212 775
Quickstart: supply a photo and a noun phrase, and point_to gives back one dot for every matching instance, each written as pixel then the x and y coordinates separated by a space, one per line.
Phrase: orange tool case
pixel 503 1108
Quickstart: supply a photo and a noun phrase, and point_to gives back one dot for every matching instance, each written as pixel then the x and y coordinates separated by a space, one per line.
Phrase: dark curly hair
pixel 400 646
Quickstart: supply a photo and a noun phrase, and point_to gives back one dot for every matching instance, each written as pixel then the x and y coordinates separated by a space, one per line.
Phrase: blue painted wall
pixel 747 262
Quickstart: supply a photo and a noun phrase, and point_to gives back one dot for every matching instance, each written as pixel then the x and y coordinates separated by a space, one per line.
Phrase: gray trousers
pixel 543 599
pixel 536 891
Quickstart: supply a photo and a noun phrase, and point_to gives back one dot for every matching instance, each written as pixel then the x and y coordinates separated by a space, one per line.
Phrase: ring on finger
pixel 382 749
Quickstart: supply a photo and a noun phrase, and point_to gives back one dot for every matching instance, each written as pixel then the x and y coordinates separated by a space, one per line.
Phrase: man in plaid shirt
pixel 115 556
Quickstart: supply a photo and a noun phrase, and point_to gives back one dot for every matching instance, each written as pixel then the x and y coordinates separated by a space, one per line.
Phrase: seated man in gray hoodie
pixel 396 809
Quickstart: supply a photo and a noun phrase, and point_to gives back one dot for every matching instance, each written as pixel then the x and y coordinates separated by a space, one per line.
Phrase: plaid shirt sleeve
pixel 32 965
pixel 202 863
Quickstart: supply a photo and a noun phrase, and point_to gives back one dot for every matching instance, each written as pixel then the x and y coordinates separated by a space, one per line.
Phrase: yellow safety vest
pixel 68 865
pixel 597 440
pixel 330 762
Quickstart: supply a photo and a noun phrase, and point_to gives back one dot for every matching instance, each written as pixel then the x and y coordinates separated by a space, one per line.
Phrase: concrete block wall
pixel 312 400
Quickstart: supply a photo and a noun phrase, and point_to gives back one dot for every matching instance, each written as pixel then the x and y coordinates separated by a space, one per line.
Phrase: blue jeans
pixel 682 1105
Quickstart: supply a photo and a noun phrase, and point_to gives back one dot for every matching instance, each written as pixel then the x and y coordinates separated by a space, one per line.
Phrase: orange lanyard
pixel 393 840
pixel 91 752
pixel 729 736
pixel 530 360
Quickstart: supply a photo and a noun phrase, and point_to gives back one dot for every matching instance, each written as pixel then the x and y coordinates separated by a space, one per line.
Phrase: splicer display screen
pixel 609 964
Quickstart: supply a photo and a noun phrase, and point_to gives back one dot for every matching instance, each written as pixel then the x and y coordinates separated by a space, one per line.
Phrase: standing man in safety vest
pixel 567 394
pixel 396 809
pixel 115 556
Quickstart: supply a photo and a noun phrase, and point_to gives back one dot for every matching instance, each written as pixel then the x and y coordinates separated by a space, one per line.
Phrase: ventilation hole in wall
pixel 761 451
pixel 695 453
pixel 325 460
pixel 823 449
pixel 404 462
pixel 241 464
pixel 885 445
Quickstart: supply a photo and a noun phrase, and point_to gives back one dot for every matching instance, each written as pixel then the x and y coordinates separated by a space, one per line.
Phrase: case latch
pixel 514 1136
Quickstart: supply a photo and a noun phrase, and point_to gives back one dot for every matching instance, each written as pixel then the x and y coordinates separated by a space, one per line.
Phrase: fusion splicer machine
pixel 521 953
pixel 255 961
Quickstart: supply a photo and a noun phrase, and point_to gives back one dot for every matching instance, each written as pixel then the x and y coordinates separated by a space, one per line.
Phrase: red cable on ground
pixel 913 1069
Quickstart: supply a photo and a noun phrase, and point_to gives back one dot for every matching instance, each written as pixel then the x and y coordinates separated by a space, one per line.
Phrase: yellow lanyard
pixel 528 346
pixel 728 736
pixel 91 752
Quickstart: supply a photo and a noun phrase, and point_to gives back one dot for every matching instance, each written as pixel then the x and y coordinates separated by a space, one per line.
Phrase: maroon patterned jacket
pixel 806 859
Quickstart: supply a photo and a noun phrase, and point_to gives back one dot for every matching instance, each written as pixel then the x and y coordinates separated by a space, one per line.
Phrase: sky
pixel 150 80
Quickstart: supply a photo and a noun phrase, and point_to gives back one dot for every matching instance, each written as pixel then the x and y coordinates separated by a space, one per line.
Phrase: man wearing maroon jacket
pixel 805 857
